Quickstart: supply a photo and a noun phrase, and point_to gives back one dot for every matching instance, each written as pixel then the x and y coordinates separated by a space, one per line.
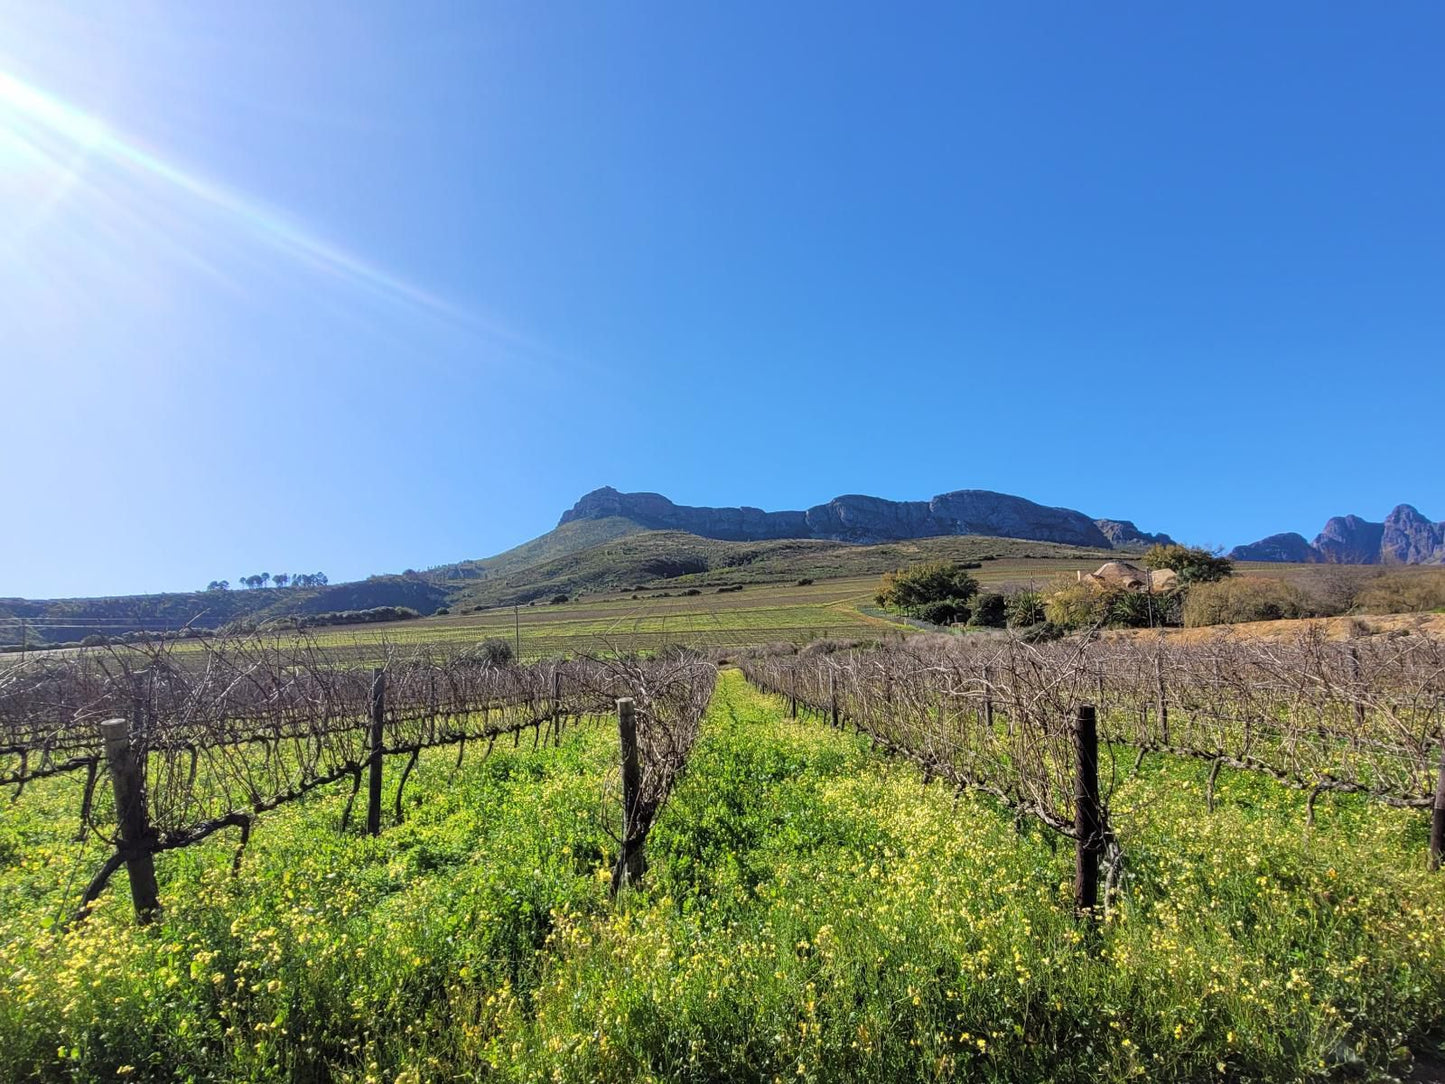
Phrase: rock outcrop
pixel 1122 532
pixel 1411 539
pixel 858 518
pixel 1404 538
pixel 1350 540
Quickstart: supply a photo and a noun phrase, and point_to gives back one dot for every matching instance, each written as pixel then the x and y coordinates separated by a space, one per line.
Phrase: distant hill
pixel 1405 538
pixel 51 621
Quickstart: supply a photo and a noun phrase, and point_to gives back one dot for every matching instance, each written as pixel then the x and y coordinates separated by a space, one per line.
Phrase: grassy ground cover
pixel 812 913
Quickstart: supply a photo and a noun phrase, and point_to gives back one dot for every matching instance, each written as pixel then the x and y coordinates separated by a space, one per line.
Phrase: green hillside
pixel 558 542
pixel 585 557
pixel 654 559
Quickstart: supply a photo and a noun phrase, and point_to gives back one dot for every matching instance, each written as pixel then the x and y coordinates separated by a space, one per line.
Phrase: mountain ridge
pixel 867 520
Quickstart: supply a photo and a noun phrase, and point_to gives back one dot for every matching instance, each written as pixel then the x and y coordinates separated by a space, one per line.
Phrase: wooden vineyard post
pixel 833 697
pixel 630 861
pixel 556 707
pixel 1356 697
pixel 376 745
pixel 988 698
pixel 1437 815
pixel 131 817
pixel 1088 817
pixel 1162 705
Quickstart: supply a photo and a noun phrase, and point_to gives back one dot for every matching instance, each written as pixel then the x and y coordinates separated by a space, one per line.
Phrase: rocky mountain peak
pixel 1405 537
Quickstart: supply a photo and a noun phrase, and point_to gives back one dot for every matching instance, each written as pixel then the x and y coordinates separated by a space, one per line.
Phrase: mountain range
pixel 1404 538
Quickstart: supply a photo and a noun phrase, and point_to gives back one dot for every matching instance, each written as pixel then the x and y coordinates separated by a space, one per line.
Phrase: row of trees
pixel 278 579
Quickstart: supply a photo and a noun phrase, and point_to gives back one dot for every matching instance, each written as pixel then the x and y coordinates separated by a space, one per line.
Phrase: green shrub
pixel 493 651
pixel 943 612
pixel 1077 605
pixel 1024 608
pixel 990 611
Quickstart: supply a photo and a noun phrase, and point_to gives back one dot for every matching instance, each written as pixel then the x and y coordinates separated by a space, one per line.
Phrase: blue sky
pixel 359 287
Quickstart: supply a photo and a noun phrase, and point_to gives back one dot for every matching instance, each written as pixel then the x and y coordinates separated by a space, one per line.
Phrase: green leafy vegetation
pixel 935 591
pixel 812 911
pixel 1191 564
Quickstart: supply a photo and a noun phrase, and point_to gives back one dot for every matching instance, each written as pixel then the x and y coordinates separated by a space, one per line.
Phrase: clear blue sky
pixel 356 287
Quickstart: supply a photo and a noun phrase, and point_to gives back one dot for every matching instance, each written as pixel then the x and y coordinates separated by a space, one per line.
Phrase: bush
pixel 805 582
pixel 990 611
pixel 730 589
pixel 1191 564
pixel 1247 598
pixel 441 612
pixel 556 600
pixel 493 651
pixel 1402 592
pixel 1042 633
pixel 691 591
pixel 943 612
pixel 95 639
pixel 1024 608
pixel 1076 605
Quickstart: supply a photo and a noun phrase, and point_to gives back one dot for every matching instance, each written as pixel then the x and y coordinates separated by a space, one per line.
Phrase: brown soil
pixel 1336 628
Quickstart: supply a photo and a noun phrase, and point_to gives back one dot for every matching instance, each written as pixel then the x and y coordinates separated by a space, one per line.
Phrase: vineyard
pixel 211 740
pixel 1088 859
pixel 1319 716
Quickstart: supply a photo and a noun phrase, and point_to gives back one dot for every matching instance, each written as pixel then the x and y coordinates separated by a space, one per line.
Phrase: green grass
pixel 812 912
pixel 756 615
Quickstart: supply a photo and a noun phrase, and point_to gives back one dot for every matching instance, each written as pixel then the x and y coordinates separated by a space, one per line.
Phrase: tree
pixel 264 578
pixel 280 579
pixel 219 585
pixel 990 611
pixel 1190 563
pixel 909 590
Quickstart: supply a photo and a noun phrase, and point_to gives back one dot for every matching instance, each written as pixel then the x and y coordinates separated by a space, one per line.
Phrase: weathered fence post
pixel 630 861
pixel 377 747
pixel 131 817
pixel 1162 708
pixel 1088 817
pixel 1437 815
pixel 1356 697
pixel 988 698
pixel 833 697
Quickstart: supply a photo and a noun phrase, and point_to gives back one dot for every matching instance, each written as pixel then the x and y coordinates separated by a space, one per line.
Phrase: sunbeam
pixel 70 143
